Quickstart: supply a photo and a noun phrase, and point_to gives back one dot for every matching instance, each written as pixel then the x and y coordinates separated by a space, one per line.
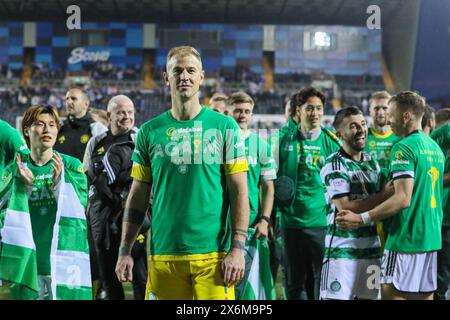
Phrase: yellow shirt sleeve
pixel 141 173
pixel 236 166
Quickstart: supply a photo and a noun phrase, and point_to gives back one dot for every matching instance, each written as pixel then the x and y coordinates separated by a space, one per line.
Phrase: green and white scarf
pixel 69 255
pixel 257 283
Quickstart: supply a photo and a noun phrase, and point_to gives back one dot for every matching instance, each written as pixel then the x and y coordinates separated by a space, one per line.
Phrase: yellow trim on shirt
pixel 381 136
pixel 236 166
pixel 141 173
pixel 186 257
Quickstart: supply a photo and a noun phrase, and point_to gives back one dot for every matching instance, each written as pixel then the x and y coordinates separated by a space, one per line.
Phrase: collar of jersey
pixel 381 136
pixel 346 155
pixel 413 132
pixel 312 135
pixel 169 114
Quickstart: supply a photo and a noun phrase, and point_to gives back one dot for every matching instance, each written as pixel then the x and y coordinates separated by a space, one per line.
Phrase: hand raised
pixel 57 165
pixel 24 172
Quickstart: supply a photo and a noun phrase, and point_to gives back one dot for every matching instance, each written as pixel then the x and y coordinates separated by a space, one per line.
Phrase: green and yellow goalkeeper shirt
pixel 186 161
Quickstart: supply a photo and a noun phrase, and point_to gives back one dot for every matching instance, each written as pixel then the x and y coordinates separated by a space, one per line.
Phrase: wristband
pixel 269 221
pixel 366 218
pixel 237 244
pixel 240 232
pixel 124 250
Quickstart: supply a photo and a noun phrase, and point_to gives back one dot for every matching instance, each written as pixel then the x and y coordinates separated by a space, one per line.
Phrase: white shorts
pixel 410 272
pixel 344 279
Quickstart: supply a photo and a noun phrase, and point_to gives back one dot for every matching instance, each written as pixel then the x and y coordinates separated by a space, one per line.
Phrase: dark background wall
pixel 431 75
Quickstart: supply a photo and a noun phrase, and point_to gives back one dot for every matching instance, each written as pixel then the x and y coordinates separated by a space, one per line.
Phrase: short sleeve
pixel 336 180
pixel 14 144
pixel 141 158
pixel 234 153
pixel 267 162
pixel 402 162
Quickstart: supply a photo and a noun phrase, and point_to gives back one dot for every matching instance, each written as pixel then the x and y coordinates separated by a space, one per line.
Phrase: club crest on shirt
pixel 84 138
pixel 398 155
pixel 62 139
pixel 183 168
pixel 335 286
pixel 288 147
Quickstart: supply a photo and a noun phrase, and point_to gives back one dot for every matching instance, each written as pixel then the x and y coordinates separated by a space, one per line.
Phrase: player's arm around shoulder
pixel 400 200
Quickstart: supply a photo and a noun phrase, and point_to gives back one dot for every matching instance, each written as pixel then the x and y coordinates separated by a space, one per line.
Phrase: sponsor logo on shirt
pixel 384 144
pixel 43 177
pixel 170 131
pixel 188 130
pixel 311 147
pixel 338 182
pixel 400 162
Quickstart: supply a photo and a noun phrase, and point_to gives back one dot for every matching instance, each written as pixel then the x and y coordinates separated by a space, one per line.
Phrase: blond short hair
pixel 240 97
pixel 183 51
pixel 379 95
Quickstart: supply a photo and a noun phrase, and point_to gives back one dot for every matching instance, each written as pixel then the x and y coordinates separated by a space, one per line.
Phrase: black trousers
pixel 107 259
pixel 277 255
pixel 304 249
pixel 443 270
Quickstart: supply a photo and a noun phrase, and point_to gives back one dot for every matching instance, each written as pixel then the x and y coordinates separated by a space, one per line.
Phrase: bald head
pixel 119 100
pixel 121 114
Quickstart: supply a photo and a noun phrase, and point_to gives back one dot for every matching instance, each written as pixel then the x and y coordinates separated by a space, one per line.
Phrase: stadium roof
pixel 318 12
